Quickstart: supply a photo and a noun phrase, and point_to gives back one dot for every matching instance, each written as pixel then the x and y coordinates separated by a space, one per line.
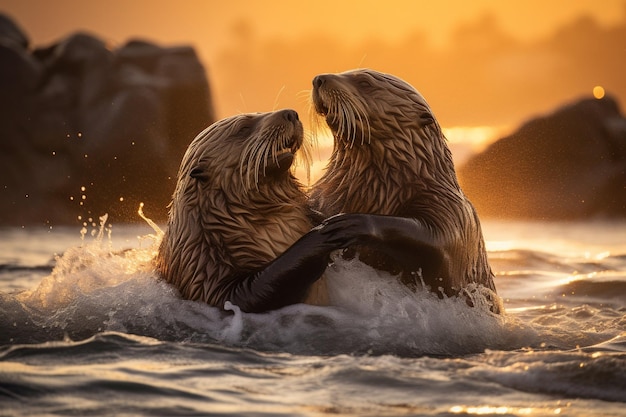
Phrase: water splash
pixel 361 353
pixel 152 224
pixel 94 288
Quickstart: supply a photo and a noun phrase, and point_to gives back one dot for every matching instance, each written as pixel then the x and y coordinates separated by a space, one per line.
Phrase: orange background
pixel 481 63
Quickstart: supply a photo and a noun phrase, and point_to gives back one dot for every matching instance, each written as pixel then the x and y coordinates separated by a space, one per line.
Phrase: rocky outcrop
pixel 570 164
pixel 87 130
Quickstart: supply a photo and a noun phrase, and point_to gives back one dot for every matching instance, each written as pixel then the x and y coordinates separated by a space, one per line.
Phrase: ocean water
pixel 86 329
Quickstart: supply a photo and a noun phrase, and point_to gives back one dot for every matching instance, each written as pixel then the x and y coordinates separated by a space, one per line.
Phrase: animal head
pixel 378 114
pixel 236 205
pixel 243 153
pixel 362 104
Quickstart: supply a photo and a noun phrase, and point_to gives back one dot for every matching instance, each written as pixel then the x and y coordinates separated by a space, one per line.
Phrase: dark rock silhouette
pixel 567 165
pixel 87 130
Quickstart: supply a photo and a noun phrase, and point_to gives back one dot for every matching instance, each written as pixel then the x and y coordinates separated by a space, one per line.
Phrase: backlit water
pixel 87 329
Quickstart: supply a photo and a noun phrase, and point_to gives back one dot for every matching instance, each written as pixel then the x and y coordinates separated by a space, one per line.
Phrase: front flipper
pixel 412 245
pixel 287 278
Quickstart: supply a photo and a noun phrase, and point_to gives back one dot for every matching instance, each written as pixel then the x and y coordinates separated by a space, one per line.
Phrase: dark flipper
pixel 409 243
pixel 287 278
pixel 413 246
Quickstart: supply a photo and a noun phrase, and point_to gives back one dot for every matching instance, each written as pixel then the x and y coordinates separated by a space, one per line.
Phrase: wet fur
pixel 391 158
pixel 230 214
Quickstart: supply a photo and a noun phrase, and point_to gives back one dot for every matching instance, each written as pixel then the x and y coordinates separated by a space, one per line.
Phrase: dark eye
pixel 365 84
pixel 244 131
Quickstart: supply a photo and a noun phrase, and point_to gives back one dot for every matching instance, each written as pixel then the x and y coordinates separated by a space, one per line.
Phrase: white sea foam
pixel 358 357
pixel 94 288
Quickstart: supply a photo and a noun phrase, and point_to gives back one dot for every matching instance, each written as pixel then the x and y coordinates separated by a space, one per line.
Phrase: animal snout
pixel 318 81
pixel 290 115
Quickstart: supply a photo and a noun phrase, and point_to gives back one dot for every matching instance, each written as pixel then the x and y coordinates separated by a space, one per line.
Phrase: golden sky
pixel 208 24
pixel 261 55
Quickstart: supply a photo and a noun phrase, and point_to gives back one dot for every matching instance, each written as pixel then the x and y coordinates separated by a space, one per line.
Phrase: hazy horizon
pixel 479 64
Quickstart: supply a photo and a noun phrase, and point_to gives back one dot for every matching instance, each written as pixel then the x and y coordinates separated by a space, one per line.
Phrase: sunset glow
pixel 313 207
pixel 491 410
pixel 484 67
pixel 598 92
pixel 463 141
pixel 482 63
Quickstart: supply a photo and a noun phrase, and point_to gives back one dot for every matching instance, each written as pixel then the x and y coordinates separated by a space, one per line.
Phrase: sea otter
pixel 239 227
pixel 391 163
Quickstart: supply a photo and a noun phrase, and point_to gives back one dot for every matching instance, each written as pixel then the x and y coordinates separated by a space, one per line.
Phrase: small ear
pixel 426 119
pixel 199 174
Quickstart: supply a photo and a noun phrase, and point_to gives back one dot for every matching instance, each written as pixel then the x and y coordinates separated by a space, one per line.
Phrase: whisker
pixel 275 147
pixel 246 157
pixel 369 129
pixel 305 94
pixel 361 61
pixel 352 123
pixel 256 158
pixel 243 102
pixel 365 122
pixel 277 97
pixel 251 156
pixel 304 156
pixel 262 160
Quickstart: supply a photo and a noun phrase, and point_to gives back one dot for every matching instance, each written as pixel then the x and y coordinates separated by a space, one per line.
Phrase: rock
pixel 10 32
pixel 87 130
pixel 567 165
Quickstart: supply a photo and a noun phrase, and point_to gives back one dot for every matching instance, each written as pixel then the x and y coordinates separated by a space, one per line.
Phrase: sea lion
pixel 239 227
pixel 391 162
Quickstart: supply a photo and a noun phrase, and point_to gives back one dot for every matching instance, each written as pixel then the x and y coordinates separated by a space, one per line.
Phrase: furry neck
pixel 380 177
pixel 257 228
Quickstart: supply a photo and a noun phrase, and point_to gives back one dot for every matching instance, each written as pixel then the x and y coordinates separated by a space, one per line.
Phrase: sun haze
pixel 482 65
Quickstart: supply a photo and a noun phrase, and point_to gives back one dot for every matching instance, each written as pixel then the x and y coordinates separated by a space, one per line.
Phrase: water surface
pixel 87 329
